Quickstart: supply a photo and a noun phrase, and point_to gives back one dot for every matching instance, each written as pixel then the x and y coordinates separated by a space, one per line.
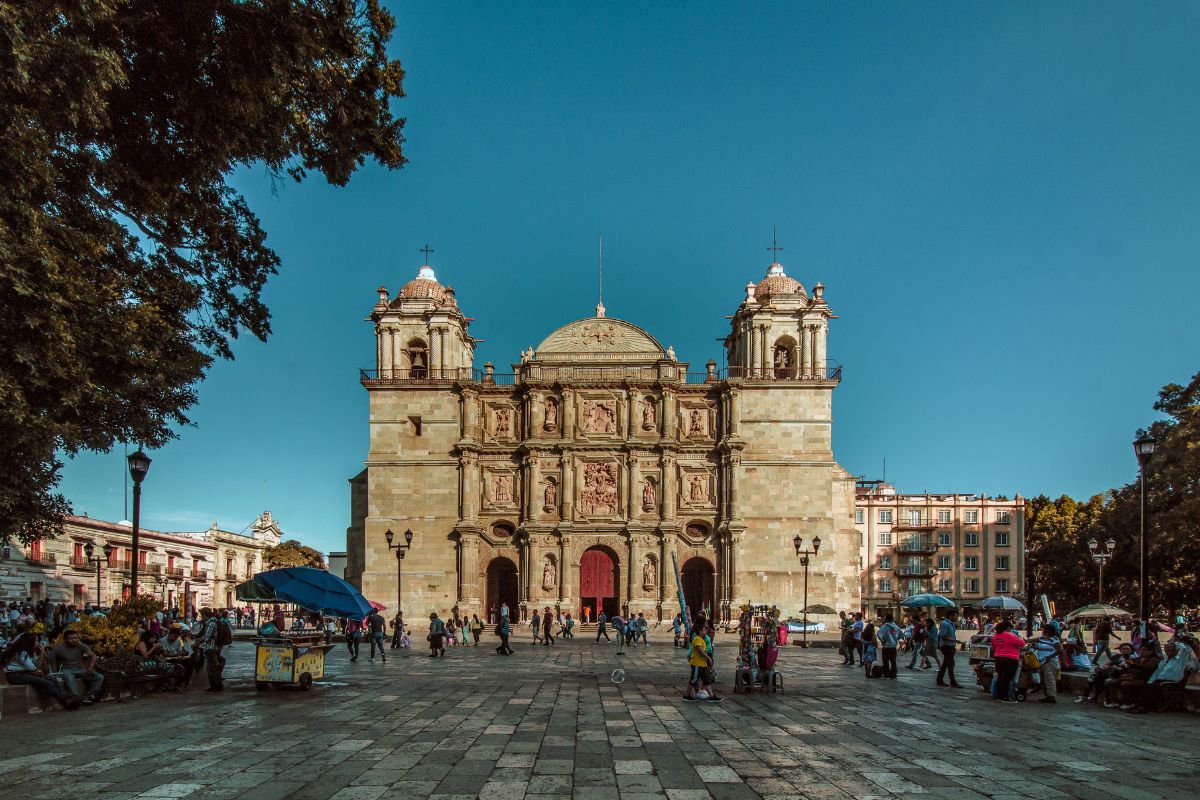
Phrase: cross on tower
pixel 426 250
pixel 774 248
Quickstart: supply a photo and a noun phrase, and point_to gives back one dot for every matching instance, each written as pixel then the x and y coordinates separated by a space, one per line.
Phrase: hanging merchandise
pixel 758 649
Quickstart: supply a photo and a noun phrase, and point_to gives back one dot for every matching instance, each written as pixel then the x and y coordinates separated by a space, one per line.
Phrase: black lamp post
pixel 139 465
pixel 804 556
pixel 1143 448
pixel 1101 558
pixel 88 551
pixel 400 549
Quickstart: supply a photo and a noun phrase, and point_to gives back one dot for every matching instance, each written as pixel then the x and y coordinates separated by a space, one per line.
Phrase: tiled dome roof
pixel 424 285
pixel 776 284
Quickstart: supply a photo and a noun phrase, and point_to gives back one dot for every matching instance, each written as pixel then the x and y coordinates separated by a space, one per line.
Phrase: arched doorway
pixel 501 589
pixel 697 578
pixel 599 582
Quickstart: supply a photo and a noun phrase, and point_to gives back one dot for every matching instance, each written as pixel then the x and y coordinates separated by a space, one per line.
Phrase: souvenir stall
pixel 758 649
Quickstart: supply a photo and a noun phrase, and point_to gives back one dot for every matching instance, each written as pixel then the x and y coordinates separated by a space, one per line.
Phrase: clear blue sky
pixel 1001 200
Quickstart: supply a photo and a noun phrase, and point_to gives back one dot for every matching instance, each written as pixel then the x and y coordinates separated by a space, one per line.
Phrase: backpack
pixel 224 633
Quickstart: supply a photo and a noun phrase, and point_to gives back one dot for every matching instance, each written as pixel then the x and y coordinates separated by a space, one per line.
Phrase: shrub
pixel 136 609
pixel 103 635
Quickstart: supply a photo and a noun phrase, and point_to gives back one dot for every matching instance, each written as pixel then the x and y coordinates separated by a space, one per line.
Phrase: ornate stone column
pixel 822 333
pixel 634 495
pixel 812 355
pixel 805 366
pixel 668 488
pixel 734 412
pixel 533 482
pixel 735 463
pixel 752 336
pixel 567 494
pixel 379 350
pixel 470 490
pixel 567 415
pixel 764 350
pixel 668 413
pixel 627 481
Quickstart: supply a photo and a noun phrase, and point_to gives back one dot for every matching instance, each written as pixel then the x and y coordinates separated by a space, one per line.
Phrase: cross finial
pixel 774 248
pixel 426 250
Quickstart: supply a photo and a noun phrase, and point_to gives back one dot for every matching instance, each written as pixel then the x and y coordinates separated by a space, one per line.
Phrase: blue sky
pixel 1001 200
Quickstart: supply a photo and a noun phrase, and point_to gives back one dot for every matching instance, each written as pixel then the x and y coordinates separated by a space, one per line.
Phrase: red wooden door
pixel 596 575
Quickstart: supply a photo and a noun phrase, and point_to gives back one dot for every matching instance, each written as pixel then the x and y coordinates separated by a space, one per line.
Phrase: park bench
pixel 126 670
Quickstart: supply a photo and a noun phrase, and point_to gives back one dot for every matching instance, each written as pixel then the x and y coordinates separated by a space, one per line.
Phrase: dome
pixel 777 284
pixel 425 285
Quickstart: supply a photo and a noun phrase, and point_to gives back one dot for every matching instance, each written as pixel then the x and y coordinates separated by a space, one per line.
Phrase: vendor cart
pixel 758 648
pixel 289 660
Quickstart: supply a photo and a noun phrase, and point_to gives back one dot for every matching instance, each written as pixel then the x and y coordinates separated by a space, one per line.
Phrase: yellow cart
pixel 292 660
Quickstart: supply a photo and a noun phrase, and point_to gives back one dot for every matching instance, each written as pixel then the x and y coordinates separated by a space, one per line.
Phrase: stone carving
pixel 696 531
pixel 648 494
pixel 551 414
pixel 527 355
pixel 698 488
pixel 670 352
pixel 649 573
pixel 502 488
pixel 502 423
pixel 783 357
pixel 697 422
pixel 599 492
pixel 548 574
pixel 550 496
pixel 649 414
pixel 599 336
pixel 600 416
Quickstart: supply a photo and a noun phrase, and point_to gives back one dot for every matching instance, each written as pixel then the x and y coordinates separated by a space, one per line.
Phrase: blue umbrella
pixel 314 590
pixel 922 600
pixel 1001 603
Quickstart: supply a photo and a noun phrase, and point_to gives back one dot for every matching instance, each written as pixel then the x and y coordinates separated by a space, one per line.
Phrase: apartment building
pixel 963 546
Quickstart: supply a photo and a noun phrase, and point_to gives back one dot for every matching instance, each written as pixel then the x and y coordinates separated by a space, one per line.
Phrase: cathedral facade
pixel 578 480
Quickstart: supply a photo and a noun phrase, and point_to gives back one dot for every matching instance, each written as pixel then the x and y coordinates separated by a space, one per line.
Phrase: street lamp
pixel 1101 557
pixel 400 549
pixel 88 551
pixel 1143 448
pixel 139 465
pixel 804 556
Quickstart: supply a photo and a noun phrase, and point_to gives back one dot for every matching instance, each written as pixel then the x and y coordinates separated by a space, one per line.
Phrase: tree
pixel 1056 551
pixel 127 263
pixel 290 553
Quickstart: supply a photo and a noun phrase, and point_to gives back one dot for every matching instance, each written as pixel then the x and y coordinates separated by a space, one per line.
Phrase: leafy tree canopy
pixel 127 263
pixel 290 553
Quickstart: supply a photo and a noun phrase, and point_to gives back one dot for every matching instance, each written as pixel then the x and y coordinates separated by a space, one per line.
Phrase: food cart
pixel 295 660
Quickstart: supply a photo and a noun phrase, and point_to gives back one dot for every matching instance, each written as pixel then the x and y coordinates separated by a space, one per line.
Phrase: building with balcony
pixel 191 567
pixel 963 546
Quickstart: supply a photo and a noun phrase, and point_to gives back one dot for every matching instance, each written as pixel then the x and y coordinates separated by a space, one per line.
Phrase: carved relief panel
pixel 698 419
pixel 499 488
pixel 598 492
pixel 697 486
pixel 500 421
pixel 599 415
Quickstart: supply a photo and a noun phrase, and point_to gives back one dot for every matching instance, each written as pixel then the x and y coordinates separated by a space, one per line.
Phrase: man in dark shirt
pixel 77 661
pixel 378 626
pixel 1103 633
pixel 1121 690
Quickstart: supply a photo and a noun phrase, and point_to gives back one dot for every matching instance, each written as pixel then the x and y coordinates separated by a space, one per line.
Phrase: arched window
pixel 784 358
pixel 418 359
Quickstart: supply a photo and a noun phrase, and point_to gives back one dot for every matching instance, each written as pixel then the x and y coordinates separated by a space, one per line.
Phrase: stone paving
pixel 549 722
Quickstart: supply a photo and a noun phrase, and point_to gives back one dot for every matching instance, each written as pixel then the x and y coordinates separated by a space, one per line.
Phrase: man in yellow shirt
pixel 700 677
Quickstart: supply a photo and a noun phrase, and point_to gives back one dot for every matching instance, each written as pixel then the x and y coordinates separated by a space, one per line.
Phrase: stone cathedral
pixel 572 479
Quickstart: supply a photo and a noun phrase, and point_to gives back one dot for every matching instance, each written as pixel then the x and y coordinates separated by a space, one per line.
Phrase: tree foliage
pixel 290 553
pixel 127 263
pixel 1057 531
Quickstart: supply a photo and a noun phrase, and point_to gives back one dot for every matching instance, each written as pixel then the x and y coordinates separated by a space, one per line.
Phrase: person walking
pixel 930 653
pixel 437 637
pixel 1049 651
pixel 917 643
pixel 602 628
pixel 210 646
pixel 547 627
pixel 476 628
pixel 503 630
pixel 889 639
pixel 619 624
pixel 947 642
pixel 378 626
pixel 643 626
pixel 856 635
pixel 536 623
pixel 353 637
pixel 1101 636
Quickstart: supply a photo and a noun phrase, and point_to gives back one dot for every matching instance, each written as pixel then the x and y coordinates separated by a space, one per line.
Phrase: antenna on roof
pixel 600 305
pixel 885 469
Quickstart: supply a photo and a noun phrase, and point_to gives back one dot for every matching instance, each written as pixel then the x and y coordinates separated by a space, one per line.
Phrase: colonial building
pixel 963 546
pixel 199 568
pixel 576 479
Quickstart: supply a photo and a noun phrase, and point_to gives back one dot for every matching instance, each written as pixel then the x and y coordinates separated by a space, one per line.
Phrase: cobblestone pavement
pixel 549 722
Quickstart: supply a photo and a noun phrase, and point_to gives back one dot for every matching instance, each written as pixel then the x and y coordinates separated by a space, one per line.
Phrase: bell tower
pixel 779 331
pixel 422 334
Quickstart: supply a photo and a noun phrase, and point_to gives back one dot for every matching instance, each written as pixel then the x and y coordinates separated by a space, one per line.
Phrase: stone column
pixel 379 339
pixel 632 423
pixel 567 490
pixel 752 335
pixel 634 495
pixel 812 355
pixel 735 583
pixel 627 481
pixel 566 415
pixel 533 480
pixel 764 351
pixel 470 492
pixel 734 412
pixel 805 368
pixel 735 462
pixel 668 488
pixel 629 570
pixel 822 333
pixel 662 573
pixel 667 413
pixel 470 593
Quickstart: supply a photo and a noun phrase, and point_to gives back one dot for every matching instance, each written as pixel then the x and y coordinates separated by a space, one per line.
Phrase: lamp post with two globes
pixel 804 556
pixel 88 551
pixel 1101 557
pixel 139 465
pixel 1143 448
pixel 400 549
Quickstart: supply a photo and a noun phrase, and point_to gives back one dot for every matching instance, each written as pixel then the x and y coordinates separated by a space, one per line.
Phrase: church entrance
pixel 501 589
pixel 697 578
pixel 599 582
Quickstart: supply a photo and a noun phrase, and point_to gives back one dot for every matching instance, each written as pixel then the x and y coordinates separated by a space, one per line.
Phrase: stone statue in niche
pixel 548 575
pixel 649 414
pixel 600 416
pixel 670 352
pixel 502 423
pixel 697 531
pixel 551 414
pixel 598 494
pixel 649 573
pixel 698 488
pixel 502 489
pixel 648 494
pixel 696 426
pixel 550 496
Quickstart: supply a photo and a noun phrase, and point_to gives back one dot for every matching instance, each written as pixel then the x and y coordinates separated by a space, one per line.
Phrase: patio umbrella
pixel 252 592
pixel 377 606
pixel 819 608
pixel 1001 604
pixel 923 600
pixel 314 590
pixel 1097 611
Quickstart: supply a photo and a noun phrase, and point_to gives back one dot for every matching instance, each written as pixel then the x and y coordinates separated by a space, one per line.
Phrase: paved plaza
pixel 549 722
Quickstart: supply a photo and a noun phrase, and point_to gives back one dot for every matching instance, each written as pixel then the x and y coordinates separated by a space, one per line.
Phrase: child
pixel 869 649
pixel 700 674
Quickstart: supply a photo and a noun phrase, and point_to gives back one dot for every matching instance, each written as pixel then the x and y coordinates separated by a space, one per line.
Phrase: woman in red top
pixel 1006 649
